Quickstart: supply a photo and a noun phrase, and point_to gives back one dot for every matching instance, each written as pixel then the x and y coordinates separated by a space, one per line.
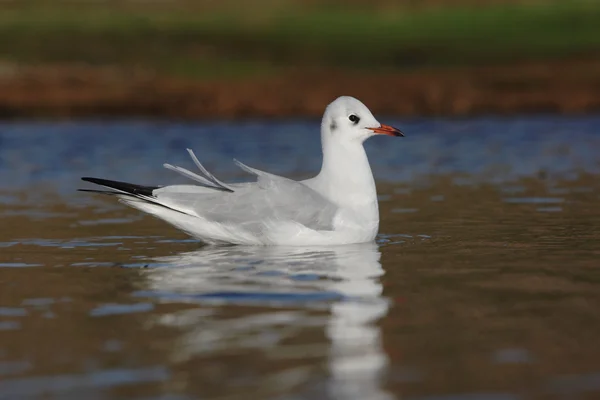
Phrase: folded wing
pixel 249 205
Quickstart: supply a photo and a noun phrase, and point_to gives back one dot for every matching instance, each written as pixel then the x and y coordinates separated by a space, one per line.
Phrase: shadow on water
pixel 483 283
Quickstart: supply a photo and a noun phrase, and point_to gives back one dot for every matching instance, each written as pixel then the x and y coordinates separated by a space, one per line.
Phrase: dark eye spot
pixel 353 118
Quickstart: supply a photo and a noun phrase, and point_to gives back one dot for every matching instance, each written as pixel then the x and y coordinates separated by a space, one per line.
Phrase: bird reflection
pixel 342 280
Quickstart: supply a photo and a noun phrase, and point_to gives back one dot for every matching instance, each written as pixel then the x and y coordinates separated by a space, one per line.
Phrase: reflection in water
pixel 347 278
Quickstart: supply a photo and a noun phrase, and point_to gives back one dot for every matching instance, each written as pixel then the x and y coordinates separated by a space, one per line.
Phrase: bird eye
pixel 354 118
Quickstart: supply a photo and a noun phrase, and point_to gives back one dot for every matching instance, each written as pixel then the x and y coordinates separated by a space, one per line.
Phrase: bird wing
pixel 270 198
pixel 249 205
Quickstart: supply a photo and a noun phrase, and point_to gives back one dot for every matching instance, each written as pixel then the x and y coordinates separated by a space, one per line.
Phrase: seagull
pixel 338 206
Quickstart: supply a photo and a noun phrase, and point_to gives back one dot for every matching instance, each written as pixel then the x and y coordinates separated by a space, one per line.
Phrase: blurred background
pixel 206 58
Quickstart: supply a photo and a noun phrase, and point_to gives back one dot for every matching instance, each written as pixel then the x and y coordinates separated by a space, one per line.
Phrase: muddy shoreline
pixel 564 87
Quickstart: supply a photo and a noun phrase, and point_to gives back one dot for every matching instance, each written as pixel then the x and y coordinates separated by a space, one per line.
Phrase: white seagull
pixel 338 206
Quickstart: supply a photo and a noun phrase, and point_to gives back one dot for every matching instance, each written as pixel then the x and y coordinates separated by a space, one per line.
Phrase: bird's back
pixel 251 205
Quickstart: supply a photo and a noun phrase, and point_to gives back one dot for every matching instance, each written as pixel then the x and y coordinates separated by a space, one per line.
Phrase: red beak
pixel 387 130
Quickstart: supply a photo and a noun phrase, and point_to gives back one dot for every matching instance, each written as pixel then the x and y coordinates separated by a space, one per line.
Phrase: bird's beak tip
pixel 387 130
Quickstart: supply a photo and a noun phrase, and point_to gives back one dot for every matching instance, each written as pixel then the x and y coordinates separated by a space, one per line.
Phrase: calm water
pixel 483 284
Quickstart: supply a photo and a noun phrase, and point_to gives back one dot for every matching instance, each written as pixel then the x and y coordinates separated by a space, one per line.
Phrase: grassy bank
pixel 244 42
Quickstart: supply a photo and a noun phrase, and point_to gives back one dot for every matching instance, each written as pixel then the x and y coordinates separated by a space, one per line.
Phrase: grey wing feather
pixel 264 179
pixel 189 174
pixel 249 204
pixel 208 180
pixel 208 175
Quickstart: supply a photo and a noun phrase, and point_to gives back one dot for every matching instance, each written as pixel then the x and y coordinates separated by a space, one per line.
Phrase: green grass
pixel 229 43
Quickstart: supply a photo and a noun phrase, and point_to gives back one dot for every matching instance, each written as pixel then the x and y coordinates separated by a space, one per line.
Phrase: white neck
pixel 346 178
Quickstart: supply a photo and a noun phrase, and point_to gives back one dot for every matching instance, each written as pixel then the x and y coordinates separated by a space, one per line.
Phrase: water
pixel 483 284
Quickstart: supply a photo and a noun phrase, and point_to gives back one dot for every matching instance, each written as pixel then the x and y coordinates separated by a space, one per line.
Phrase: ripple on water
pixel 549 209
pixel 36 214
pixel 178 241
pixel 93 264
pixel 38 302
pixel 512 356
pixel 28 387
pixel 12 312
pixel 74 244
pixel 533 200
pixel 248 297
pixel 71 243
pixel 471 396
pixel 395 239
pixel 118 309
pixel 107 221
pixel 19 265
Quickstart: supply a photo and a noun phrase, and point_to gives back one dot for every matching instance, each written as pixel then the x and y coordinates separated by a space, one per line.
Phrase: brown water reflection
pixel 480 290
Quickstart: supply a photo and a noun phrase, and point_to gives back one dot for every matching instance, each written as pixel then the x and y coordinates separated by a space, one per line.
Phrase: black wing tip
pixel 97 181
pixel 122 186
pixel 127 189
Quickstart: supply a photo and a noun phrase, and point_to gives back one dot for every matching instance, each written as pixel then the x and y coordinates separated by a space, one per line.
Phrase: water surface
pixel 483 283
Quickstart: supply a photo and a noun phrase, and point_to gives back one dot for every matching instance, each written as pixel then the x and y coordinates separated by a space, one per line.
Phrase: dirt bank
pixel 83 91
